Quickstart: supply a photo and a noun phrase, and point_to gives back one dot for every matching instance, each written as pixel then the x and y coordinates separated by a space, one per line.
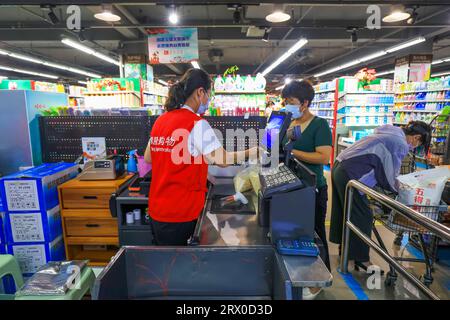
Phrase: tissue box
pixel 21 227
pixel 32 256
pixel 35 189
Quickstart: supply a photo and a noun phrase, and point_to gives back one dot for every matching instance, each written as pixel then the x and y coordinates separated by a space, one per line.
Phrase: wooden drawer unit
pixel 91 227
pixel 86 198
pixel 87 219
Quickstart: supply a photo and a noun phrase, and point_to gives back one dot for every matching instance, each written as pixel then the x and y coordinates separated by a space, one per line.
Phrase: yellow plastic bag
pixel 247 180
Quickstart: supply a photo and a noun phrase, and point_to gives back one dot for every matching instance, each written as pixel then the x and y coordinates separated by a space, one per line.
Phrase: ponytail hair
pixel 183 89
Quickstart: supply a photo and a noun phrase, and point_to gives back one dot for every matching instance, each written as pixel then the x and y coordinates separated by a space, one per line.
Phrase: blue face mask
pixel 295 110
pixel 203 107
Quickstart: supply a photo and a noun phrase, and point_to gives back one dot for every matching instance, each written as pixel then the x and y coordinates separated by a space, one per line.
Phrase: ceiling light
pixel 397 14
pixel 3 77
pixel 265 37
pixel 287 80
pixel 384 73
pixel 195 64
pixel 45 75
pixel 406 44
pixel 440 74
pixel 26 58
pixel 163 82
pixel 438 61
pixel 300 43
pixel 173 16
pixel 278 15
pixel 107 15
pixel 90 51
pixel 83 82
pixel 280 87
pixel 49 64
pixel 373 56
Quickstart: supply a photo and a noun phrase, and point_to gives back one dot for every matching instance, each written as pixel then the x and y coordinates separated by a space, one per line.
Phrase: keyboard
pixel 297 247
pixel 278 180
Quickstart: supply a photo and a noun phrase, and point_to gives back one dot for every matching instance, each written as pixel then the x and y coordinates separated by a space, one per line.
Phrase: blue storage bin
pixel 35 189
pixel 2 235
pixel 32 256
pixel 23 227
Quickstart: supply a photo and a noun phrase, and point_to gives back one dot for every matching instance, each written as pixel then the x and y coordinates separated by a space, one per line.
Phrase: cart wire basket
pixel 400 225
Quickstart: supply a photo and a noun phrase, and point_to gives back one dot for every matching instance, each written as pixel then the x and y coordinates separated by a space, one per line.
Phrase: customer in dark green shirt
pixel 313 149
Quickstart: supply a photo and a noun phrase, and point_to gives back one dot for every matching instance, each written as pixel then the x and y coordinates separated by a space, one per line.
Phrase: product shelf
pixel 422 101
pixel 99 93
pixel 416 111
pixel 419 91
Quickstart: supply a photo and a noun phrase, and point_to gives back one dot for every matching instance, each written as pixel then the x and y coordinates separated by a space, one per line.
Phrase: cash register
pixel 286 201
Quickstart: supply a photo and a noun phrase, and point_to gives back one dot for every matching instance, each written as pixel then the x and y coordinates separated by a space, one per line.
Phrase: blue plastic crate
pixel 32 256
pixel 21 227
pixel 35 189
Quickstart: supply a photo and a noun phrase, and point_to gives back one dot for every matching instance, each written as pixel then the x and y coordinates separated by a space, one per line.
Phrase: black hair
pixel 302 90
pixel 421 128
pixel 180 91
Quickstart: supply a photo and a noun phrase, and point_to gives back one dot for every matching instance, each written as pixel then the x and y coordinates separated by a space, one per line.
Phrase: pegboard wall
pixel 61 136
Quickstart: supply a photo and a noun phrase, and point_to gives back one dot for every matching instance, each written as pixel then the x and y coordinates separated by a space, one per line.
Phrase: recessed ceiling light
pixel 107 15
pixel 397 14
pixel 278 16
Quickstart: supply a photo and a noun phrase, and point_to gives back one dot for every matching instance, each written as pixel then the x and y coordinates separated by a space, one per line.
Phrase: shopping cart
pixel 398 224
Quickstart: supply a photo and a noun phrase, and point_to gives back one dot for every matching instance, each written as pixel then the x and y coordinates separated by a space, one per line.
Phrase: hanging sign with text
pixel 172 45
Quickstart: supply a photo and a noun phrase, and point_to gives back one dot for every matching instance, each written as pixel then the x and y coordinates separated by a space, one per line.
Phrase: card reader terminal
pixel 278 180
pixel 297 247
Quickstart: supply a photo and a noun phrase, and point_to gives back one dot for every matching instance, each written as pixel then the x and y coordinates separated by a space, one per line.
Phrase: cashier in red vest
pixel 181 146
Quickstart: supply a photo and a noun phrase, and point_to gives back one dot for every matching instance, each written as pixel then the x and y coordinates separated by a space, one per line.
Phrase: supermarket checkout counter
pixel 232 253
pixel 230 257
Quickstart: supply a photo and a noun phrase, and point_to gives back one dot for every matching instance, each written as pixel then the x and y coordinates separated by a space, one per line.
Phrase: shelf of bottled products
pixel 238 96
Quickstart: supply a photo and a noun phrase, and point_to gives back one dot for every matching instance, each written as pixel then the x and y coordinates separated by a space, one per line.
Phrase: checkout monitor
pixel 276 128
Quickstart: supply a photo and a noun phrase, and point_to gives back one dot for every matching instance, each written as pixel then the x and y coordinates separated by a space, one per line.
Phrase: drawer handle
pixel 92 225
pixel 90 197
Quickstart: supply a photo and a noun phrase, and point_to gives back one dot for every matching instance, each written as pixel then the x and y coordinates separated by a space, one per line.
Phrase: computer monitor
pixel 276 128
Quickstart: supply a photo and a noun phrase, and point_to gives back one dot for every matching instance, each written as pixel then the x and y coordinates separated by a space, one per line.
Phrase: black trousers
pixel 319 223
pixel 361 216
pixel 172 233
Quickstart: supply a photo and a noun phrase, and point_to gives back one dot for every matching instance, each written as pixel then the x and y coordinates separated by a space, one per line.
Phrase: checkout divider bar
pixel 438 229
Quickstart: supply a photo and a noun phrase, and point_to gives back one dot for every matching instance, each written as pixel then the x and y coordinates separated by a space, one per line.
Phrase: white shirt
pixel 202 139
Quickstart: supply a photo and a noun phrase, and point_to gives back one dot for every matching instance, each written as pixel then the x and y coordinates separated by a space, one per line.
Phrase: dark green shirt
pixel 316 134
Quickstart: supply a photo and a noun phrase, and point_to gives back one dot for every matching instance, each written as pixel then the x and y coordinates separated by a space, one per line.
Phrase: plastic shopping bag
pixel 423 188
pixel 245 179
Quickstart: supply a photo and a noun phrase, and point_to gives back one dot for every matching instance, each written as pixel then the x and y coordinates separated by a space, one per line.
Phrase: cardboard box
pixel 23 227
pixel 35 189
pixel 32 256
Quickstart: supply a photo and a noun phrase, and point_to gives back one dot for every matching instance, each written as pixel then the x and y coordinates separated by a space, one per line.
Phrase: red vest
pixel 178 187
